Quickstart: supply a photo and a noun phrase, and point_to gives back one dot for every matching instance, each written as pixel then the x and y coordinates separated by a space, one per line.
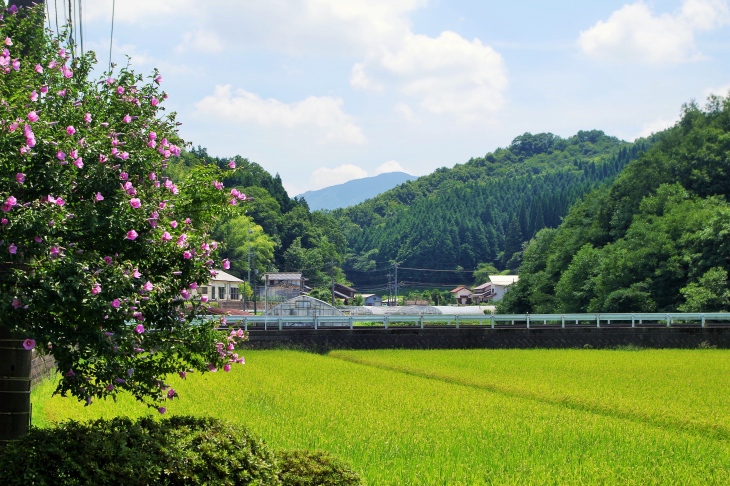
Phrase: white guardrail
pixel 488 320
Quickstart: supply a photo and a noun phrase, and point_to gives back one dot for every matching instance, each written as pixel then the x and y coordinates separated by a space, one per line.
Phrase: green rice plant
pixel 417 425
pixel 684 389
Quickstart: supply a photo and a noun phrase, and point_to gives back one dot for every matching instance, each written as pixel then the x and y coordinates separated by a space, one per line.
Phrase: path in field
pixel 684 390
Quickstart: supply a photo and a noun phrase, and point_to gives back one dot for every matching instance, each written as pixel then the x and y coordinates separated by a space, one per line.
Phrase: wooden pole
pixel 15 365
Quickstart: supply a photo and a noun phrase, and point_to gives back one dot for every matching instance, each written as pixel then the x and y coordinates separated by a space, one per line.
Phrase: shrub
pixel 308 468
pixel 179 450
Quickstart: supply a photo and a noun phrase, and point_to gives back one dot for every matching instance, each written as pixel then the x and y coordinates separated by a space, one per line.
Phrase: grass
pixel 473 417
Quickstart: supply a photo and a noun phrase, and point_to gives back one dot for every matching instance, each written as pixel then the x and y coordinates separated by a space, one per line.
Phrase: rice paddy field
pixel 465 417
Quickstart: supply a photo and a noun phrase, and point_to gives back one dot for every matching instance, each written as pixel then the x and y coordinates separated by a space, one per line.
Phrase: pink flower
pixel 20 177
pixel 29 344
pixel 79 163
pixel 232 164
pixel 34 95
pixel 138 316
pixel 60 201
pixel 38 68
pixel 185 294
pixel 8 42
pixel 67 73
pixel 55 252
pixel 127 119
pixel 171 393
pixel 186 255
pixel 135 202
pixel 87 117
pixel 183 374
pixel 226 367
pixel 108 260
pixel 12 249
pixel 120 90
pixel 226 264
pixel 96 288
pixel 152 176
pixel 147 287
pixel 61 92
pixel 218 185
pixel 102 158
pixel 162 410
pixel 136 273
pixel 193 285
pixel 154 102
pixel 70 130
pixel 16 64
pixel 212 368
pixel 16 303
pixel 44 89
pixel 162 205
pixel 116 303
pixel 182 240
pixel 99 197
pixel 139 329
pixel 204 298
pixel 37 239
pixel 166 236
pixel 123 176
pixel 33 116
pixel 60 155
pixel 110 387
pixel 158 79
pixel 131 235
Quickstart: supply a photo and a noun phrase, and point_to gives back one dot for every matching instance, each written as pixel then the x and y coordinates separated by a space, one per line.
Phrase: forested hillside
pixel 657 239
pixel 481 211
pixel 285 235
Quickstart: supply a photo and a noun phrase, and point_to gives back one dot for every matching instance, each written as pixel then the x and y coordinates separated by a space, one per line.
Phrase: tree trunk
pixel 15 365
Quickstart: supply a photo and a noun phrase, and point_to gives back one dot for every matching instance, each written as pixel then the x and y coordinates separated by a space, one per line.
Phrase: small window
pixel 204 290
pixel 234 293
pixel 221 292
pixel 212 293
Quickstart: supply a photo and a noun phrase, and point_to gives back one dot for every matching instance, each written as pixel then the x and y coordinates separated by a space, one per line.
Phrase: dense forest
pixel 480 212
pixel 657 239
pixel 284 234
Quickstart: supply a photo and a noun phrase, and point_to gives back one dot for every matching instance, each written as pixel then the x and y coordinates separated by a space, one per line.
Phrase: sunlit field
pixel 473 417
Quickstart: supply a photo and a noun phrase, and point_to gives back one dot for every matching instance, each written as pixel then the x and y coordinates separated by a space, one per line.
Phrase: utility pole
pixel 249 263
pixel 256 273
pixel 396 284
pixel 332 275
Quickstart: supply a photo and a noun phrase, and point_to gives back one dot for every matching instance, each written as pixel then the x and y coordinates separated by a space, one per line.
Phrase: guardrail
pixel 672 319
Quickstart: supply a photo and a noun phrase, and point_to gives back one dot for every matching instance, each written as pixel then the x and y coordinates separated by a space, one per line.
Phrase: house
pixel 281 286
pixel 462 295
pixel 372 300
pixel 500 285
pixel 221 288
pixel 344 292
pixel 482 293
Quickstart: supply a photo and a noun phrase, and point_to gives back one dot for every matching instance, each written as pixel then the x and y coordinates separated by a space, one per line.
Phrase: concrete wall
pixel 466 338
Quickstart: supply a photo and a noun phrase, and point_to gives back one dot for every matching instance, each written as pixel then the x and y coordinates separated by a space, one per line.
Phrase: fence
pixel 494 321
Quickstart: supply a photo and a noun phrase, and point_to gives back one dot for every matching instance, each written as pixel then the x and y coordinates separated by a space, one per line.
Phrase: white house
pixel 222 287
pixel 372 300
pixel 462 295
pixel 500 285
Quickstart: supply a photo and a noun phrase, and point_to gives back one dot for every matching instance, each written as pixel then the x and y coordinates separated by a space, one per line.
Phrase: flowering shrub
pixel 98 253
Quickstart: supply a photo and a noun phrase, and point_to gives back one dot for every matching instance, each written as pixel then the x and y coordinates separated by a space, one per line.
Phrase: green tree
pixel 709 294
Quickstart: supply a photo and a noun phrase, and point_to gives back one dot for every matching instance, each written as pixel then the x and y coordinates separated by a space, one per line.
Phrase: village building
pixel 372 300
pixel 462 295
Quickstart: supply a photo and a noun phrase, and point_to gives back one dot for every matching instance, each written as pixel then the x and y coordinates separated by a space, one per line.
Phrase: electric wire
pixel 111 38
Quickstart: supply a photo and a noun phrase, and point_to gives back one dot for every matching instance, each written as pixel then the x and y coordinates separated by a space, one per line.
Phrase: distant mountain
pixel 354 192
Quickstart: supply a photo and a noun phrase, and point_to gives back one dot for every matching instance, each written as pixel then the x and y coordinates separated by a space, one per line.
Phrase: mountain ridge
pixel 354 191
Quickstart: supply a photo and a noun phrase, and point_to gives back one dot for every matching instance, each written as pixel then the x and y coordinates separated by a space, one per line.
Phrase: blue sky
pixel 324 91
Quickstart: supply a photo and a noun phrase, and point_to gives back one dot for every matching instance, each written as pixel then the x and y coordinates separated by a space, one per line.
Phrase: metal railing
pixel 528 321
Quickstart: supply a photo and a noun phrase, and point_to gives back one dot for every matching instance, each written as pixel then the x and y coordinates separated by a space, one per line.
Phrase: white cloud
pixel 390 166
pixel 323 113
pixel 405 111
pixel 655 126
pixel 634 33
pixel 360 80
pixel 719 91
pixel 325 177
pixel 130 11
pixel 201 41
pixel 446 74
